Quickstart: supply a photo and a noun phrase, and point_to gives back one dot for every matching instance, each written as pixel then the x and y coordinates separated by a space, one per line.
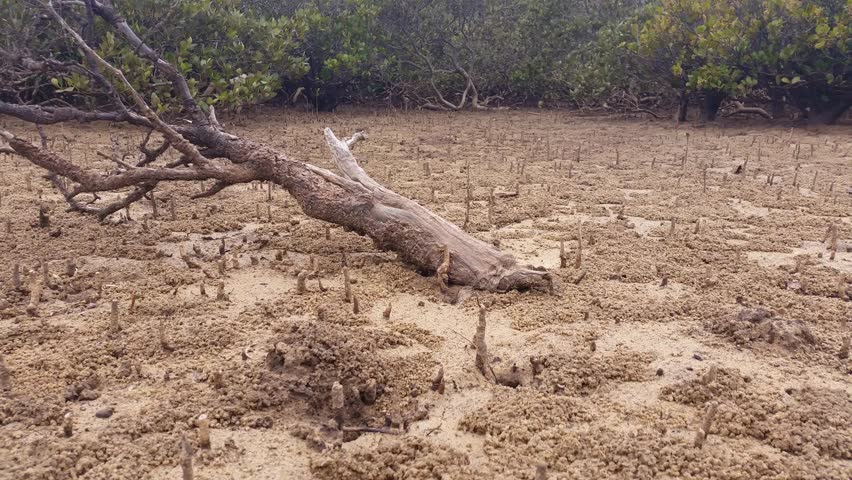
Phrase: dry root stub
pixel 706 422
pixel 761 325
pixel 5 377
pixel 483 358
pixel 186 454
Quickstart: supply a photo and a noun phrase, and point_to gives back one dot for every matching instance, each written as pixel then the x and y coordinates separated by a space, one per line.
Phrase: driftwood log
pixel 351 199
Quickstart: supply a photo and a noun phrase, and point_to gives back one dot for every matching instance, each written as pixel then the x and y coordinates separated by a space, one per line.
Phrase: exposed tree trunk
pixel 710 105
pixel 683 106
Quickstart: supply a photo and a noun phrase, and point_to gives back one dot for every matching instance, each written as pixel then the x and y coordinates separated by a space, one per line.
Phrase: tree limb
pixel 740 108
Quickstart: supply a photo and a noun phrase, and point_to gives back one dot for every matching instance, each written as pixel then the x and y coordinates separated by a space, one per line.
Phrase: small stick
pixel 43 216
pixel 204 430
pixel 389 431
pixel 466 211
pixel 220 291
pixel 132 303
pixel 68 425
pixel 36 288
pixel 563 259
pixel 16 276
pixel 338 401
pixel 578 260
pixel 161 335
pixel 5 377
pixel 113 317
pixel 709 415
pixel 710 376
pixel 833 246
pixel 45 273
pixel 483 359
pixel 347 286
pixel 841 287
pixel 300 282
pixel 387 313
pixel 186 458
pixel 70 267
pixel 438 379
pixel 356 307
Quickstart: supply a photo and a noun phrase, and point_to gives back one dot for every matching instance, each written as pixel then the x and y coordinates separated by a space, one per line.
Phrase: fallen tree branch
pixel 352 199
pixel 739 108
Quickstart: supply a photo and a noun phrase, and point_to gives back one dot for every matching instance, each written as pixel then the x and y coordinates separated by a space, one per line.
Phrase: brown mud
pixel 695 286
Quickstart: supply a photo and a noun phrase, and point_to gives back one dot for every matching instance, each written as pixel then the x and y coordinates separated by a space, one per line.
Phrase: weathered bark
pixel 419 236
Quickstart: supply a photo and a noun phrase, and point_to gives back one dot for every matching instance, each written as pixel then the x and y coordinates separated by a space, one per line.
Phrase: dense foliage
pixel 454 54
pixel 793 49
